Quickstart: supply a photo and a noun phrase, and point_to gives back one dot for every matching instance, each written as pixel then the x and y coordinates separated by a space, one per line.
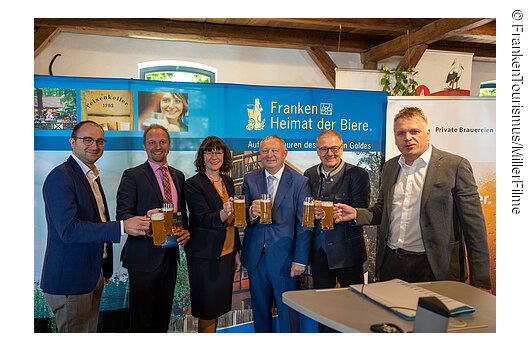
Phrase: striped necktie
pixel 270 185
pixel 167 186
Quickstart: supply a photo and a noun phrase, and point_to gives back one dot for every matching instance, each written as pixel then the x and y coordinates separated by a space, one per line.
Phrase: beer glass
pixel 240 213
pixel 327 220
pixel 309 212
pixel 266 209
pixel 157 225
pixel 167 209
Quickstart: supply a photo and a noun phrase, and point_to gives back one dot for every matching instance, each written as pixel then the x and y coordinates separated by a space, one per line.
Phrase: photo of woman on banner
pixel 169 109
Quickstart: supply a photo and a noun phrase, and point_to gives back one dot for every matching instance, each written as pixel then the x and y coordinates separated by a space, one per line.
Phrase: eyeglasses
pixel 334 149
pixel 217 153
pixel 88 141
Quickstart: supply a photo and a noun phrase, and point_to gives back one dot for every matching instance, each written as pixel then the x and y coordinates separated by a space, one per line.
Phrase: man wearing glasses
pixel 78 258
pixel 338 254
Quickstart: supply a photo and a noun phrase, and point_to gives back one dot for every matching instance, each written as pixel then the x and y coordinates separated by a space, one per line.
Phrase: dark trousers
pixel 324 277
pixel 151 295
pixel 409 268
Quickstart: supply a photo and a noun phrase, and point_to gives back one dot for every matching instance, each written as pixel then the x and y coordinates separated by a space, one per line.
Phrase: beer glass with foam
pixel 157 226
pixel 327 220
pixel 309 212
pixel 167 209
pixel 239 211
pixel 266 209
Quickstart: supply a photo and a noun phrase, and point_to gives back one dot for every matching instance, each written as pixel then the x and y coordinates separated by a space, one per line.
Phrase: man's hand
pixel 152 211
pixel 319 212
pixel 343 212
pixel 297 269
pixel 136 226
pixel 183 236
pixel 255 209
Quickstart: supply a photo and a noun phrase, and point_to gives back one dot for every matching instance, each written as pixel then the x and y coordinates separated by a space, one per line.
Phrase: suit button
pixel 268 225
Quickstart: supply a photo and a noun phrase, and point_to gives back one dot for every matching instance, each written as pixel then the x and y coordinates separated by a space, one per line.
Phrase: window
pixel 488 88
pixel 177 71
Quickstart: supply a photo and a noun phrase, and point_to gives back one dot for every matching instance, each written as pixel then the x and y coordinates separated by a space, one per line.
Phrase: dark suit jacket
pixel 350 185
pixel 74 250
pixel 285 240
pixel 139 192
pixel 451 218
pixel 207 231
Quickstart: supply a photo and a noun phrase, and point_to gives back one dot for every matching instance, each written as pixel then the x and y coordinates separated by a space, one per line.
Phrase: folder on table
pixel 402 297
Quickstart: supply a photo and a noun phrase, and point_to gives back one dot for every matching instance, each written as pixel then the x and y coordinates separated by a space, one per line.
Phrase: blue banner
pixel 242 115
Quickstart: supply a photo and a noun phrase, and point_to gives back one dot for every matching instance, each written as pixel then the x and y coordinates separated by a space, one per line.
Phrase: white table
pixel 347 311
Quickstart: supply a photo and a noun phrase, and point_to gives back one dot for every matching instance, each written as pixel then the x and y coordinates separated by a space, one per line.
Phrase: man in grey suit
pixel 428 212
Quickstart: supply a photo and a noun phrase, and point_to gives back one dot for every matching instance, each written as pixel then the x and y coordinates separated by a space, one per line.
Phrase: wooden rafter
pixel 42 37
pixel 324 62
pixel 432 32
pixel 213 33
pixel 412 56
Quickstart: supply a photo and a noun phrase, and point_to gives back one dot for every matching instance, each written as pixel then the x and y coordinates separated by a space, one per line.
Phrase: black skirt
pixel 211 283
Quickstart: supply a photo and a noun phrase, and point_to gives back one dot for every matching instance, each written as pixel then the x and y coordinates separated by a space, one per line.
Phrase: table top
pixel 347 311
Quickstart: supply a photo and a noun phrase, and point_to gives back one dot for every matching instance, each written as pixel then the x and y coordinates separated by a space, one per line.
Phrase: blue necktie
pixel 270 185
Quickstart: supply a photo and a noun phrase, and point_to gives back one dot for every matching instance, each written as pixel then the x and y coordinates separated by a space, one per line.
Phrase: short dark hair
pixel 78 126
pixel 209 144
pixel 156 126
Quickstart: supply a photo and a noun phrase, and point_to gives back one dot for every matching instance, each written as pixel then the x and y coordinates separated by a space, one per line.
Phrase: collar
pixel 424 158
pixel 278 174
pixel 333 172
pixel 93 174
pixel 156 167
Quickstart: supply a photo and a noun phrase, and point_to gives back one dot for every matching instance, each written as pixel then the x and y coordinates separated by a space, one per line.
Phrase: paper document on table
pixel 402 297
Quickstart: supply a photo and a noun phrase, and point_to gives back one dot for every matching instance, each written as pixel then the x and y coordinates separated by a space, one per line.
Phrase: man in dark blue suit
pixel 77 262
pixel 275 255
pixel 152 269
pixel 338 254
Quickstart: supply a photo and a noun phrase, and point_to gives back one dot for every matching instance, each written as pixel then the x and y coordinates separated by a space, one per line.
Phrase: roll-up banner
pixel 464 126
pixel 242 115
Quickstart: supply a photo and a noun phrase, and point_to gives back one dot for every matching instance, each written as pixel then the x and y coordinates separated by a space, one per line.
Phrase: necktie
pixel 270 185
pixel 167 186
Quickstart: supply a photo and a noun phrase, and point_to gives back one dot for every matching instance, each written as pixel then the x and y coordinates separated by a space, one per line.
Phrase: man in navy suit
pixel 275 255
pixel 78 262
pixel 152 269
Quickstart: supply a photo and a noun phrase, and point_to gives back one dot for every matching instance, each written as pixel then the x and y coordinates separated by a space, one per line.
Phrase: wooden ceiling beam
pixel 42 37
pixel 412 56
pixel 432 32
pixel 324 62
pixel 213 33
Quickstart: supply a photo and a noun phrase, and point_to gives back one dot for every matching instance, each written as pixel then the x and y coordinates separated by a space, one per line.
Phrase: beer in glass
pixel 240 213
pixel 266 209
pixel 309 212
pixel 167 209
pixel 157 225
pixel 327 220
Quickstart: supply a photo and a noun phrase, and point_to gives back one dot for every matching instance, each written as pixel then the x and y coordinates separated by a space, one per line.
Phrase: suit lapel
pixel 262 182
pixel 83 180
pixel 283 187
pixel 211 191
pixel 394 169
pixel 151 179
pixel 431 175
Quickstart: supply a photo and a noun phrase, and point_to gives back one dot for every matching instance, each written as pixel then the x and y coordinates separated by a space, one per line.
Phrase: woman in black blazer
pixel 213 249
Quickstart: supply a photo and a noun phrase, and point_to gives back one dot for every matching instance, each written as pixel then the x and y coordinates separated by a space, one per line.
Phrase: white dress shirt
pixel 405 231
pixel 278 177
